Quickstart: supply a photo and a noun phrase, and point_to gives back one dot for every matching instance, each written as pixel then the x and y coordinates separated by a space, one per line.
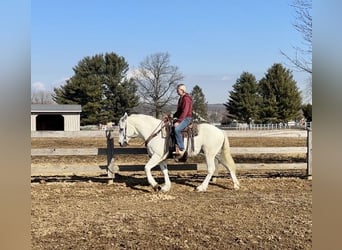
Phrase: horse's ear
pixel 125 115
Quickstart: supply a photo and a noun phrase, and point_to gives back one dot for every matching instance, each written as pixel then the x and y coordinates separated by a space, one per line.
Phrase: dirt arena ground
pixel 272 210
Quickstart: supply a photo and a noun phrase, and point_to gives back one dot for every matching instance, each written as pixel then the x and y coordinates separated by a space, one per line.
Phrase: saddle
pixel 188 132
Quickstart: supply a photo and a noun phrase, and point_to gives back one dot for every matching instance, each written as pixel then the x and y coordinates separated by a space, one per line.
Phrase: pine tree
pixel 307 112
pixel 199 104
pixel 119 92
pixel 281 100
pixel 243 100
pixel 100 86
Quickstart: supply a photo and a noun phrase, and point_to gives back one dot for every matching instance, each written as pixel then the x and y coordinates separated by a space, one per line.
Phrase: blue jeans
pixel 178 132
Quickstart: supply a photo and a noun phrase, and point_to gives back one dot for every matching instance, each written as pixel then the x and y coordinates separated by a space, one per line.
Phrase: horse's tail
pixel 227 158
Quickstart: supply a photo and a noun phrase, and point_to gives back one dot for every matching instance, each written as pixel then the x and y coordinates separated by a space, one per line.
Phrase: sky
pixel 211 42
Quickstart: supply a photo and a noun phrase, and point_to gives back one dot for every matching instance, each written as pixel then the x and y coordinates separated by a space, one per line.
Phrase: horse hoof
pixel 157 188
pixel 163 190
pixel 200 190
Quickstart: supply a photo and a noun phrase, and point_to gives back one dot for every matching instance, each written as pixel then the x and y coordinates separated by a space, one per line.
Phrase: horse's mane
pixel 143 116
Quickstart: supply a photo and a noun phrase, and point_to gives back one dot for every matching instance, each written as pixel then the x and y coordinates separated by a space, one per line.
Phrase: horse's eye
pixel 121 129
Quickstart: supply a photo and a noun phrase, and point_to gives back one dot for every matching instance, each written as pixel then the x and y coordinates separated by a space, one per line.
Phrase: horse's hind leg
pixel 216 172
pixel 211 169
pixel 232 170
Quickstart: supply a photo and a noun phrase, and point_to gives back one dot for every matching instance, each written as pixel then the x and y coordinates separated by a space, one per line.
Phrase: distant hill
pixel 215 107
pixel 216 112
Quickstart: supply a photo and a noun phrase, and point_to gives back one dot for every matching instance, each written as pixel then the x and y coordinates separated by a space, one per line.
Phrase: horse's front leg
pixel 154 160
pixel 166 187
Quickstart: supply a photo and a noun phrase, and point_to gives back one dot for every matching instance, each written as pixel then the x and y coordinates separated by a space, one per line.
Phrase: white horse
pixel 210 141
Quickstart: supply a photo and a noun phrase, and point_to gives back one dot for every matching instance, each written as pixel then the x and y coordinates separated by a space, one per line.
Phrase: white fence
pixel 245 126
pixel 112 167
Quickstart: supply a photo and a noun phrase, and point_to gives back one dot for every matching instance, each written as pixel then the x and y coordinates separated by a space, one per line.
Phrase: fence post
pixel 110 154
pixel 309 153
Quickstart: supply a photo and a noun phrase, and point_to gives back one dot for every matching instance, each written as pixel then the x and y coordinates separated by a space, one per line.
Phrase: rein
pixel 154 133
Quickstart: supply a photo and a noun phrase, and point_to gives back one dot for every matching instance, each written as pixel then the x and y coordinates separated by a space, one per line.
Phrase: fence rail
pixel 277 126
pixel 111 168
pixel 131 150
pixel 229 132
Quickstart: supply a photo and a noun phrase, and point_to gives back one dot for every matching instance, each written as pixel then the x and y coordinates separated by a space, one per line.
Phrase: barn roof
pixel 60 108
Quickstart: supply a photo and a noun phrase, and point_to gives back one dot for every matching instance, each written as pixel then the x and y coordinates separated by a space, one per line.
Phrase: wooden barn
pixel 55 117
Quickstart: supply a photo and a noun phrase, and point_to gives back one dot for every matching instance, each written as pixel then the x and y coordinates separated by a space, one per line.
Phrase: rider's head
pixel 181 89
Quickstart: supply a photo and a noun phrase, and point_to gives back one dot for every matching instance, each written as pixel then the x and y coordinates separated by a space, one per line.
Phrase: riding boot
pixel 180 155
pixel 179 152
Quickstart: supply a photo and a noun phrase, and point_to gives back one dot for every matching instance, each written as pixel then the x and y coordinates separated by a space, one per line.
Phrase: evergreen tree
pixel 100 86
pixel 243 99
pixel 281 100
pixel 307 112
pixel 199 104
pixel 268 112
pixel 119 91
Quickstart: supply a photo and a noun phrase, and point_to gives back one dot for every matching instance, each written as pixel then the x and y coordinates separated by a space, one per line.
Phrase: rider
pixel 183 116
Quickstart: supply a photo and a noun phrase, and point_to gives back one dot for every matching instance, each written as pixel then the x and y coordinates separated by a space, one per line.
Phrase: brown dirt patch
pixel 272 210
pixel 267 213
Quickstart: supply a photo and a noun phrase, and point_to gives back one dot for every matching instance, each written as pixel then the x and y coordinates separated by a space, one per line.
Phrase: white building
pixel 55 117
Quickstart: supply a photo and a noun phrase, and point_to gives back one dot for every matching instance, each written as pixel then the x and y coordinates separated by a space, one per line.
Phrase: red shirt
pixel 184 108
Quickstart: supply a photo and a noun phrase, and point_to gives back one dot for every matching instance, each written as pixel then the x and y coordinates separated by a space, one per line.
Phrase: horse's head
pixel 126 131
pixel 123 139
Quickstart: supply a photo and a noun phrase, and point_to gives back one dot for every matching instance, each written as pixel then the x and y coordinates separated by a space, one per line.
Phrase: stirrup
pixel 179 153
pixel 182 158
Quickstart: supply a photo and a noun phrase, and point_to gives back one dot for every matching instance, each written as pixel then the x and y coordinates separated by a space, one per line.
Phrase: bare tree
pixel 41 97
pixel 307 95
pixel 157 81
pixel 303 24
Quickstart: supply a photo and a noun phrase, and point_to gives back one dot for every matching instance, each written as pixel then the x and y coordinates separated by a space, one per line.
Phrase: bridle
pixel 125 132
pixel 154 133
